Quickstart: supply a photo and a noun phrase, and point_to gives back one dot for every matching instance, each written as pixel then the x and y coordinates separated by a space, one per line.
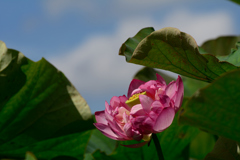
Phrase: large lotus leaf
pixel 220 46
pixel 71 145
pixel 37 103
pixel 176 51
pixel 215 108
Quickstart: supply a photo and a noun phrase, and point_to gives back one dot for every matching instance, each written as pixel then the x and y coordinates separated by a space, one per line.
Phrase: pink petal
pixel 100 117
pixel 114 102
pixel 160 79
pixel 149 87
pixel 154 115
pixel 106 130
pixel 180 92
pixel 165 100
pixel 108 116
pixel 146 102
pixel 135 83
pixel 107 107
pixel 137 110
pixel 135 145
pixel 117 130
pixel 148 125
pixel 120 116
pixel 164 119
pixel 123 99
pixel 171 89
pixel 125 117
pixel 148 121
pixel 135 91
pixel 157 107
pixel 121 110
pixel 128 129
pixel 136 122
pixel 137 135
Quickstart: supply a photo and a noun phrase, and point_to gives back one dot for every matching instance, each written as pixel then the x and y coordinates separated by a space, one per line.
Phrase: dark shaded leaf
pixel 147 73
pixel 175 139
pixel 215 108
pixel 64 158
pixel 98 141
pixel 201 145
pixel 72 145
pixel 192 85
pixel 39 109
pixel 220 46
pixel 224 149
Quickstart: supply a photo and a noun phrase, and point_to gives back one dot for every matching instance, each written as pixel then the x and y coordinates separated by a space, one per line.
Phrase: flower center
pixel 134 99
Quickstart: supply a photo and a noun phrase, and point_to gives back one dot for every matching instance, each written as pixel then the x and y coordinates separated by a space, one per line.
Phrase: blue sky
pixel 82 37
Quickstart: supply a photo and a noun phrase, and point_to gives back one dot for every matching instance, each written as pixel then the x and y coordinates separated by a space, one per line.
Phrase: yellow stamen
pixel 147 137
pixel 134 99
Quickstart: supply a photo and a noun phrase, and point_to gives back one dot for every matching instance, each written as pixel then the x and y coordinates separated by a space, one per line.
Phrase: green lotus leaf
pixel 39 109
pixel 215 108
pixel 173 50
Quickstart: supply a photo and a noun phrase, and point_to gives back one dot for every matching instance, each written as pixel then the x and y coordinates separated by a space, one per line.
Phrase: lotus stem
pixel 158 147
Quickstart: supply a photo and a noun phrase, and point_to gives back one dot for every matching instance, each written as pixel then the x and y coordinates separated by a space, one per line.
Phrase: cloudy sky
pixel 82 37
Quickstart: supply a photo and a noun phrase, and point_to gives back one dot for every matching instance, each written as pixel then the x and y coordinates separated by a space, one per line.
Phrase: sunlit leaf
pixel 130 44
pixel 176 51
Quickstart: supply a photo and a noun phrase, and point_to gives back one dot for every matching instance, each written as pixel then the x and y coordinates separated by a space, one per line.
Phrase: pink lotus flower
pixel 149 108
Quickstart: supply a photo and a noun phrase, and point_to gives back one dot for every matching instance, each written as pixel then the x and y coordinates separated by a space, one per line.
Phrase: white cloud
pixel 201 26
pixel 103 8
pixel 95 66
